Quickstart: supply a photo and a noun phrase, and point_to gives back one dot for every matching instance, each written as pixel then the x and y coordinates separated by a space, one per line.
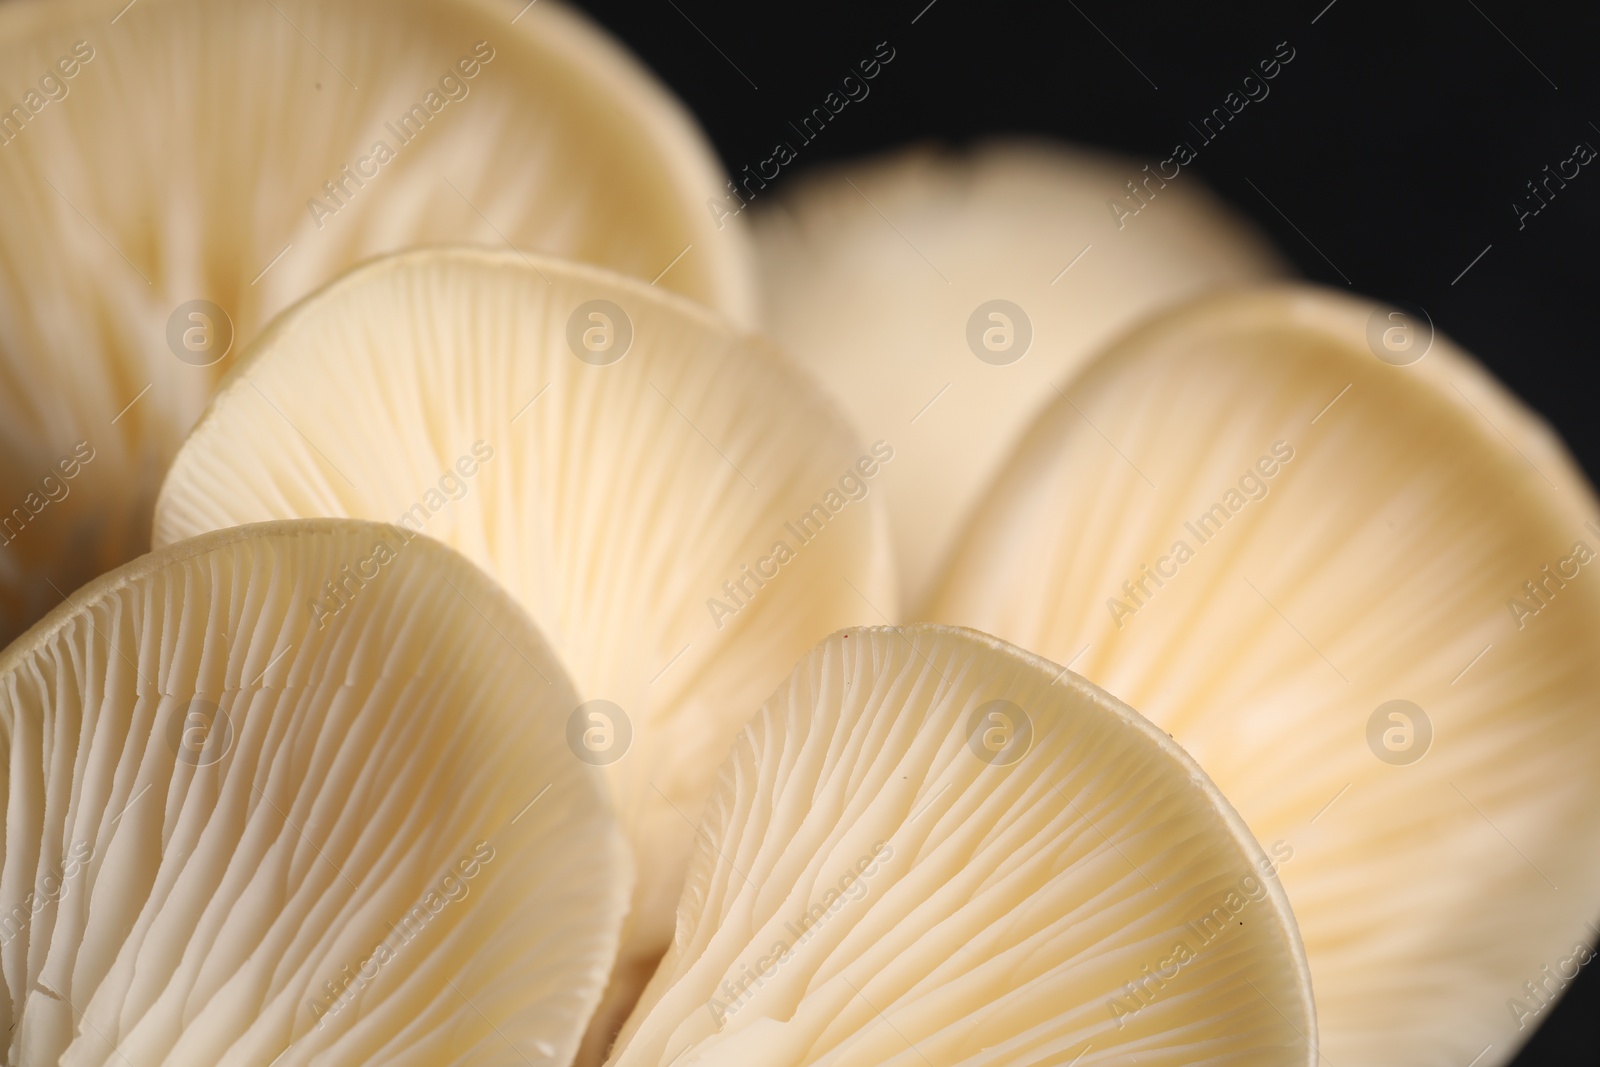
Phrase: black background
pixel 1397 143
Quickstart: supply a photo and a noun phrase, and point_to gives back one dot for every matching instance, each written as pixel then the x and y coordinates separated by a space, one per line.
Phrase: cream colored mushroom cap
pixel 238 832
pixel 946 297
pixel 1352 576
pixel 206 164
pixel 933 848
pixel 680 512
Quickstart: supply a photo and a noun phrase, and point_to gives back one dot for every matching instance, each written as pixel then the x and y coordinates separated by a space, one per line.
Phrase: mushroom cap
pixel 1303 560
pixel 883 278
pixel 206 164
pixel 618 492
pixel 241 831
pixel 931 847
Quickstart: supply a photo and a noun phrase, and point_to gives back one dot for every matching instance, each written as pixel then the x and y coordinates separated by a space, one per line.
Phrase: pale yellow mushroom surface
pixel 678 510
pixel 239 834
pixel 933 848
pixel 1309 536
pixel 177 172
pixel 946 297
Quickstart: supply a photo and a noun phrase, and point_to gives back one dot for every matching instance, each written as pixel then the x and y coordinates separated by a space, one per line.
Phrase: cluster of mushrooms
pixel 473 599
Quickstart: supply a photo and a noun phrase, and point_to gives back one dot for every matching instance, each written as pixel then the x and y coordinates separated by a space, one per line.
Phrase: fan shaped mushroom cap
pixel 1358 590
pixel 933 848
pixel 943 298
pixel 631 497
pixel 176 172
pixel 239 833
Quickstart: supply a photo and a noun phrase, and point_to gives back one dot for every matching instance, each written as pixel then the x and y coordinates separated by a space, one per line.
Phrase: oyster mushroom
pixel 237 835
pixel 176 172
pixel 944 296
pixel 1358 590
pixel 680 513
pixel 933 848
